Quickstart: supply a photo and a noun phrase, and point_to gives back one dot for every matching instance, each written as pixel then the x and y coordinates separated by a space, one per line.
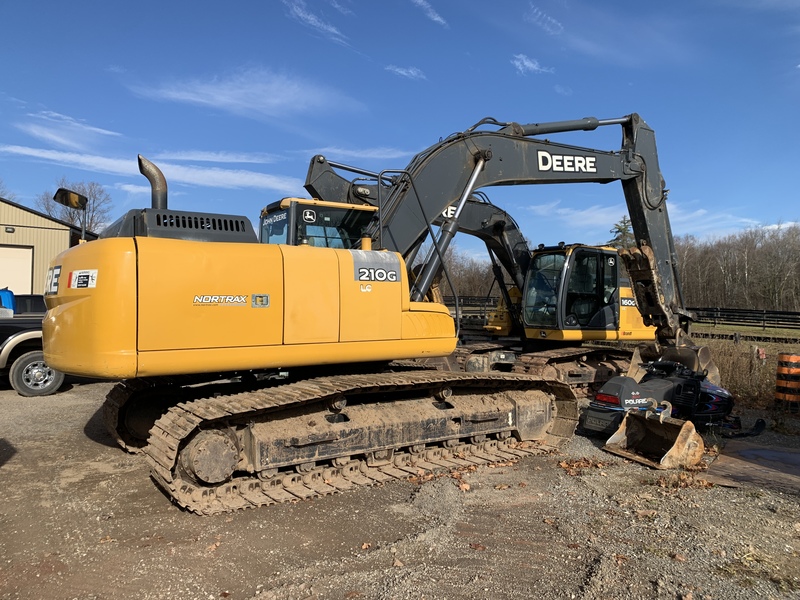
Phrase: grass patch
pixel 750 378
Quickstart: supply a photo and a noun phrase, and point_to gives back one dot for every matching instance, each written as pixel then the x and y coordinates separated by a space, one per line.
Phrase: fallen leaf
pixel 107 539
pixel 678 557
pixel 366 546
pixel 397 563
pixel 477 546
pixel 463 486
pixel 502 486
pixel 213 547
pixel 522 484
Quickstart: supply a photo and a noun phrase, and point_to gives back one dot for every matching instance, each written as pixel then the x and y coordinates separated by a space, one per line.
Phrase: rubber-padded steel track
pixel 175 428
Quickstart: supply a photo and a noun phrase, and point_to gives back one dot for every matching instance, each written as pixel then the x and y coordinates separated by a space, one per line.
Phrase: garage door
pixel 16 269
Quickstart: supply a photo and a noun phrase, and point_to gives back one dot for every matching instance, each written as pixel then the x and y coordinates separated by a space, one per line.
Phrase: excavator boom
pixel 411 199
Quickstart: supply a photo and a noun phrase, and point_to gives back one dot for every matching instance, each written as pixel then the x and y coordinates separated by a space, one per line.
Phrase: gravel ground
pixel 81 519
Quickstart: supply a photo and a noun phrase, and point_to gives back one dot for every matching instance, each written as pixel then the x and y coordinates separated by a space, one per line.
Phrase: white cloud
pixel 299 12
pixel 699 222
pixel 584 218
pixel 545 22
pixel 380 153
pixel 253 93
pixel 663 37
pixel 231 178
pixel 88 162
pixel 133 189
pixel 591 224
pixel 410 72
pixel 526 65
pixel 779 226
pixel 563 90
pixel 190 175
pixel 219 157
pixel 62 131
pixel 430 12
pixel 340 7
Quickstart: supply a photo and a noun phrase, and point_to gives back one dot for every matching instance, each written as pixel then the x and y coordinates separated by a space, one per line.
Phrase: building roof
pixel 73 228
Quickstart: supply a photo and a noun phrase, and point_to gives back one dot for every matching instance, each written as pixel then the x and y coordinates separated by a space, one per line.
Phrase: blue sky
pixel 231 101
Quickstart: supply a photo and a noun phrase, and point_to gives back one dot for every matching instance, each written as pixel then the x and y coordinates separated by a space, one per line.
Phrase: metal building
pixel 29 240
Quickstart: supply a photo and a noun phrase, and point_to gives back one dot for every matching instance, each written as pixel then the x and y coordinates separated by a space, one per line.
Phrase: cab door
pixel 591 293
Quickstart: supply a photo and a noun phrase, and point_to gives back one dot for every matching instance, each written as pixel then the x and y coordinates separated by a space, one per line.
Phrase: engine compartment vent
pixel 203 222
pixel 183 225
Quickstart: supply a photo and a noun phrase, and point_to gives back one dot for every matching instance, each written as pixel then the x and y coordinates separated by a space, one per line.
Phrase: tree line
pixel 753 269
pixel 756 269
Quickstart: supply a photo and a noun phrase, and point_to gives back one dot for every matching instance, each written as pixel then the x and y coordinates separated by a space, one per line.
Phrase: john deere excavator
pixel 572 293
pixel 271 372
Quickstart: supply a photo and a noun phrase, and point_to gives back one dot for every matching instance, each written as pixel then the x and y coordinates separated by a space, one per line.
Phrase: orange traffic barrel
pixel 787 381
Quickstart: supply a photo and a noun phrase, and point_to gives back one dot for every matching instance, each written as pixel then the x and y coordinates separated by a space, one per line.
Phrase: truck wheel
pixel 30 376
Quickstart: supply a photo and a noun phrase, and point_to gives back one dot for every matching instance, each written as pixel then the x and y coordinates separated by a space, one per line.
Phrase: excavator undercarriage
pixel 318 436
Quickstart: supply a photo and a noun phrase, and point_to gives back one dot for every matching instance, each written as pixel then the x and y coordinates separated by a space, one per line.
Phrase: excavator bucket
pixel 657 440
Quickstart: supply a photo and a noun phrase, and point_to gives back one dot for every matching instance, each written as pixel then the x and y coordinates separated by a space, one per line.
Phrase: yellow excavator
pixel 572 294
pixel 255 373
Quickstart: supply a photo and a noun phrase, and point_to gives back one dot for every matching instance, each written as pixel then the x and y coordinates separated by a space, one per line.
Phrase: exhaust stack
pixel 158 183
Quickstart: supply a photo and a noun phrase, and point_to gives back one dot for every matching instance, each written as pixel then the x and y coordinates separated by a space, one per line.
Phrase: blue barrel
pixel 7 299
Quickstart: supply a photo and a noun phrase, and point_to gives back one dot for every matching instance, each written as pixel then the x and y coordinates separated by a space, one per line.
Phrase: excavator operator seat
pixel 581 291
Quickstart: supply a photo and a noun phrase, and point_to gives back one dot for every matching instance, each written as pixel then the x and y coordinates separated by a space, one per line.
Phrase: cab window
pixel 274 227
pixel 541 290
pixel 331 227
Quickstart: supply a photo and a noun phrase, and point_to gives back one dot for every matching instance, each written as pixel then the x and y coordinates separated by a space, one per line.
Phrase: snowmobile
pixel 655 421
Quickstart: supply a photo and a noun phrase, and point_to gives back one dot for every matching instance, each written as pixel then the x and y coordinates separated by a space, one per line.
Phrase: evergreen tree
pixel 623 234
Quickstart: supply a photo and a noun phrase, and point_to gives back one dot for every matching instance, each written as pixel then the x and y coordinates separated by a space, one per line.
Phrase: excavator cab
pixel 299 221
pixel 576 292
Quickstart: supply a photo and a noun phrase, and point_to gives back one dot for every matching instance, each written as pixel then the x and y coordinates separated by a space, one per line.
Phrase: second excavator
pixel 256 373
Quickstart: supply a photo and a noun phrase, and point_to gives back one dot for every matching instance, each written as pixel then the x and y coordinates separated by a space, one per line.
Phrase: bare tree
pixel 5 192
pixel 98 209
pixel 470 276
pixel 754 269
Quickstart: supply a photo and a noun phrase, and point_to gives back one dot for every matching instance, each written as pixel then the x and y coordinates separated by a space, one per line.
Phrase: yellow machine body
pixel 631 327
pixel 573 293
pixel 130 307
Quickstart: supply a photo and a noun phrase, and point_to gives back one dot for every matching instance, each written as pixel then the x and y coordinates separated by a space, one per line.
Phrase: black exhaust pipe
pixel 158 183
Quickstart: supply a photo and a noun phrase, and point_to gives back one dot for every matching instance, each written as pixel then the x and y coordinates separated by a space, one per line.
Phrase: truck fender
pixel 13 341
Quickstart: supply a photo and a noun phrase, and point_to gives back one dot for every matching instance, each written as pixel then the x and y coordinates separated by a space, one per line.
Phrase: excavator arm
pixel 446 174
